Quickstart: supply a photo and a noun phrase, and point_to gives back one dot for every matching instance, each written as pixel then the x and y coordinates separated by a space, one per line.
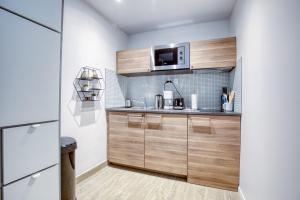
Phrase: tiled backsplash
pixel 208 87
pixel 115 89
pixel 206 84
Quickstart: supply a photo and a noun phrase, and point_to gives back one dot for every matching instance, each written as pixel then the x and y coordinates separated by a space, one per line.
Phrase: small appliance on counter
pixel 159 102
pixel 128 103
pixel 168 99
pixel 169 102
pixel 178 104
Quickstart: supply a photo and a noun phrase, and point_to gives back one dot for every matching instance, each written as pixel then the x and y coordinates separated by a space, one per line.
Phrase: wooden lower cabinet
pixel 214 151
pixel 166 143
pixel 205 149
pixel 126 139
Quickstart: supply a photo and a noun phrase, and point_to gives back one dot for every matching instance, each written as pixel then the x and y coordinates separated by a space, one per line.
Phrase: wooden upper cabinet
pixel 216 53
pixel 133 61
pixel 126 139
pixel 166 143
pixel 214 151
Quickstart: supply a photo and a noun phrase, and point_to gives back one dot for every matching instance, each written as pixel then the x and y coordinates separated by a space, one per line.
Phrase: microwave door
pixel 166 57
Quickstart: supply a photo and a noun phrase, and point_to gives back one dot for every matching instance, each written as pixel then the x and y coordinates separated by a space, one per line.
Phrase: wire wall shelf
pixel 89 84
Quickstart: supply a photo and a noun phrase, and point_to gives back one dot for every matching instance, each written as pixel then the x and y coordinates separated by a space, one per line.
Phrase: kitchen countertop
pixel 184 111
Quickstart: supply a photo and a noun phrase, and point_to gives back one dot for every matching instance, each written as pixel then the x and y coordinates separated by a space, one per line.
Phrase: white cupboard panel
pixel 40 186
pixel 29 69
pixel 29 149
pixel 46 12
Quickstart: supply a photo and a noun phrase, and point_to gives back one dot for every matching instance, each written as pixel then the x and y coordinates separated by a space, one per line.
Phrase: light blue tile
pixel 207 85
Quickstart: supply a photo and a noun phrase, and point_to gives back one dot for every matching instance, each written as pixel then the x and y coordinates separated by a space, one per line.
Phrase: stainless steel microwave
pixel 169 57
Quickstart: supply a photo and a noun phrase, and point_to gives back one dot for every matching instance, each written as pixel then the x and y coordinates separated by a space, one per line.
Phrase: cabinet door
pixel 214 151
pixel 43 185
pixel 29 149
pixel 217 53
pixel 166 143
pixel 126 139
pixel 133 61
pixel 46 12
pixel 30 66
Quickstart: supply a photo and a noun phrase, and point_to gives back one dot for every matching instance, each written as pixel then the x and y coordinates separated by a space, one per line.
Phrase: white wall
pixel 186 33
pixel 269 43
pixel 88 40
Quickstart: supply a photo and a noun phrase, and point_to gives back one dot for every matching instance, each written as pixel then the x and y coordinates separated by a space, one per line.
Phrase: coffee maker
pixel 169 101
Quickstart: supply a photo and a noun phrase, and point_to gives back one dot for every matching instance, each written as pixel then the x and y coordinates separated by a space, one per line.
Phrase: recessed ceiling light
pixel 119 1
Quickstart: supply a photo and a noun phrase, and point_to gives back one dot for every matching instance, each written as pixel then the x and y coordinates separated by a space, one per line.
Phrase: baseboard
pixel 90 172
pixel 241 194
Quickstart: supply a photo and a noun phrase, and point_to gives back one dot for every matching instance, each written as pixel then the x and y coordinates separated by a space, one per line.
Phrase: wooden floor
pixel 114 183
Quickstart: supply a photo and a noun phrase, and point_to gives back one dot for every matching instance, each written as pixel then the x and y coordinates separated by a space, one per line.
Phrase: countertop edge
pixel 182 112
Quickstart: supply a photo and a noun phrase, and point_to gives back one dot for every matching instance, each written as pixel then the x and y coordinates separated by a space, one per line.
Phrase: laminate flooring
pixel 117 183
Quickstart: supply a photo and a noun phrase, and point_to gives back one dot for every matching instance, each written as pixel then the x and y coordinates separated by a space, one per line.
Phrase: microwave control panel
pixel 181 55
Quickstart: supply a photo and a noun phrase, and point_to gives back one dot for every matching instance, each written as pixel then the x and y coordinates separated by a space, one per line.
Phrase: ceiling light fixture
pixel 119 1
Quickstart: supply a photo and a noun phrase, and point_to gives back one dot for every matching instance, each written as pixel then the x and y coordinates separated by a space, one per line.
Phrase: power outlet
pixel 175 81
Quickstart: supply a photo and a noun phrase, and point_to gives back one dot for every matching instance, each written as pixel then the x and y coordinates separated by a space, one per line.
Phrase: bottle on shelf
pixel 224 98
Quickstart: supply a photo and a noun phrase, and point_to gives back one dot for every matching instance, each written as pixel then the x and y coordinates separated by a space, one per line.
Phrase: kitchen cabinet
pixel 34 147
pixel 42 185
pixel 203 148
pixel 216 53
pixel 30 67
pixel 133 61
pixel 166 143
pixel 45 12
pixel 214 151
pixel 126 139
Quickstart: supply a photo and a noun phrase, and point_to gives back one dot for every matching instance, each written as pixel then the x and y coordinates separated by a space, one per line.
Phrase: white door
pixel 28 149
pixel 29 70
pixel 43 185
pixel 46 12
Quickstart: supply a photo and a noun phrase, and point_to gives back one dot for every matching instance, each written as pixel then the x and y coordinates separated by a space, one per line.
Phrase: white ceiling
pixel 134 16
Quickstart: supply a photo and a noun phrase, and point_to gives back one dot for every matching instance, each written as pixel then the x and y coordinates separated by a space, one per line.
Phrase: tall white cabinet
pixel 45 12
pixel 30 53
pixel 30 61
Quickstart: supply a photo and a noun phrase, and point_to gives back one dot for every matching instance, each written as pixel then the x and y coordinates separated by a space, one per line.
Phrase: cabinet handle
pixel 135 120
pixel 36 176
pixel 201 125
pixel 153 116
pixel 35 125
pixel 154 122
pixel 136 117
pixel 156 118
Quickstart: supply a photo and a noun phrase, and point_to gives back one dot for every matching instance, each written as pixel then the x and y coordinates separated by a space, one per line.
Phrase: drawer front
pixel 30 66
pixel 29 149
pixel 40 186
pixel 46 12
